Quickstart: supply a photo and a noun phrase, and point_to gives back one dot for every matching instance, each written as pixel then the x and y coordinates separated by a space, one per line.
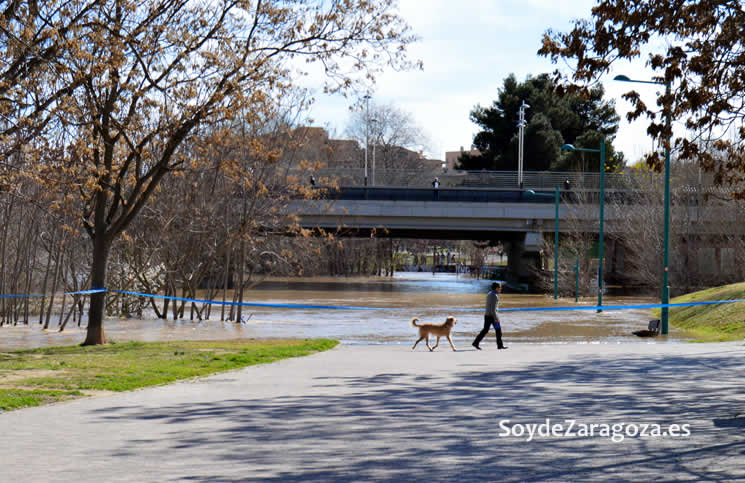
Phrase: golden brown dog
pixel 437 330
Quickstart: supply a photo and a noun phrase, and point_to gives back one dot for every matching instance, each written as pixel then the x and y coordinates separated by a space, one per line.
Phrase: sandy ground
pixel 388 413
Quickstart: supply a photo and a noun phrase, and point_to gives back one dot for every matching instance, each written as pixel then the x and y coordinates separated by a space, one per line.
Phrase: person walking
pixel 491 317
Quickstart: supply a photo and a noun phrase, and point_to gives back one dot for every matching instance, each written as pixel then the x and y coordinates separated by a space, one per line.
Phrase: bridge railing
pixel 396 193
pixel 483 179
pixel 381 177
pixel 686 181
pixel 497 195
pixel 473 195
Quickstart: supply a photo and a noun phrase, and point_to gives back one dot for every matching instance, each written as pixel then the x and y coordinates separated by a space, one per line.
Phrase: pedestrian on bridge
pixel 491 317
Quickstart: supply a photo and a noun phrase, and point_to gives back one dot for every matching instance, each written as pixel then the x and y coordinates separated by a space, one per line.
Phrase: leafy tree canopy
pixel 554 118
pixel 700 57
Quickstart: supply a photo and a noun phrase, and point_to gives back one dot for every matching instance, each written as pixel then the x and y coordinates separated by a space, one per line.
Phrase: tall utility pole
pixel 367 98
pixel 665 298
pixel 556 242
pixel 664 312
pixel 601 236
pixel 521 125
pixel 375 141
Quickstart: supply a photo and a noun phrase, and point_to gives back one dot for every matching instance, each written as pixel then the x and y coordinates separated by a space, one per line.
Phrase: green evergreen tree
pixel 555 117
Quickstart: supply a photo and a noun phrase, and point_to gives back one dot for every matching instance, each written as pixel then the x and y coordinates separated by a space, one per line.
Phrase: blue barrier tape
pixel 622 307
pixel 252 304
pixel 85 292
pixel 82 292
pixel 342 307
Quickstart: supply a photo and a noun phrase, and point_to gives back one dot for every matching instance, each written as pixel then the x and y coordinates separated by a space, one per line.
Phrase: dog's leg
pixel 451 343
pixel 437 343
pixel 418 341
pixel 427 340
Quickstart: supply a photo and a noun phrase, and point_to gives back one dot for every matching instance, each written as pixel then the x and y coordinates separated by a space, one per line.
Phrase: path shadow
pixel 395 426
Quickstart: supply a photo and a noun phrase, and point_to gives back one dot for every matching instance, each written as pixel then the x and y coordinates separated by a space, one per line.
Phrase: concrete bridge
pixel 449 213
pixel 516 218
pixel 467 213
pixel 519 219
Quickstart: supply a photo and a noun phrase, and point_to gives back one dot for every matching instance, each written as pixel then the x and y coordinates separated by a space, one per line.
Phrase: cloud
pixel 468 48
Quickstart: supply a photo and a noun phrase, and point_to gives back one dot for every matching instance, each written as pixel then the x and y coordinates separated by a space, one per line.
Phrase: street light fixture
pixel 601 241
pixel 664 316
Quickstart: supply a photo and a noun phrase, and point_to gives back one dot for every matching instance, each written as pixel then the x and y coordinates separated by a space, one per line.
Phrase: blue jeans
pixel 488 322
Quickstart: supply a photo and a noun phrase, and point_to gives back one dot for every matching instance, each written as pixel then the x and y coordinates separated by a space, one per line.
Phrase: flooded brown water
pixel 422 295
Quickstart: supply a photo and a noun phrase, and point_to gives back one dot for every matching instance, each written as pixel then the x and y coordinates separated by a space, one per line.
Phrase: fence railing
pixel 507 179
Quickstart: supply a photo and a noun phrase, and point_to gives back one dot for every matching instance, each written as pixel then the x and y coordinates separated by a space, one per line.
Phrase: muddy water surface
pixel 422 295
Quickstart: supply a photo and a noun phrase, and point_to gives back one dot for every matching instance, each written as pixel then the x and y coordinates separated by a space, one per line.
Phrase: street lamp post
pixel 521 143
pixel 373 165
pixel 375 142
pixel 556 242
pixel 367 98
pixel 664 316
pixel 601 235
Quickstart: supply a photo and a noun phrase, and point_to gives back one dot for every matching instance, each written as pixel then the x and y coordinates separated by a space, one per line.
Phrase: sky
pixel 468 48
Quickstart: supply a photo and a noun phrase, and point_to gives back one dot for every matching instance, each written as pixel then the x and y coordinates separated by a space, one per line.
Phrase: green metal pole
pixel 601 247
pixel 666 248
pixel 556 243
pixel 666 242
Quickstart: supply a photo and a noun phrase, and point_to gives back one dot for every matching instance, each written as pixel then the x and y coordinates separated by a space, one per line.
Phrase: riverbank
pixel 371 327
pixel 389 413
pixel 393 302
pixel 718 322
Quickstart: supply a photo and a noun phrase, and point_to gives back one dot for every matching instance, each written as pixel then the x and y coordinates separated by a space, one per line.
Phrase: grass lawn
pixel 717 322
pixel 42 376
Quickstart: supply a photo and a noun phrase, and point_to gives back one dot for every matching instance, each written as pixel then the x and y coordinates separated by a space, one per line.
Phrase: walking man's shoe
pixel 476 346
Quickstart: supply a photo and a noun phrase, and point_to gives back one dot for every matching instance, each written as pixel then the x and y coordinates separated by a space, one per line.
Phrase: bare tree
pixel 122 84
pixel 577 261
pixel 706 241
pixel 394 141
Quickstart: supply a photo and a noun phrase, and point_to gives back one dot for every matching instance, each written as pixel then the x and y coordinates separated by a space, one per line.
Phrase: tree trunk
pixel 43 298
pixel 95 334
pixel 225 282
pixel 58 257
pixel 62 311
pixel 241 270
pixel 3 257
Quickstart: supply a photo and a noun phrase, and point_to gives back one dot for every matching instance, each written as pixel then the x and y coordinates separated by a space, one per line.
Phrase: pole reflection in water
pixel 429 297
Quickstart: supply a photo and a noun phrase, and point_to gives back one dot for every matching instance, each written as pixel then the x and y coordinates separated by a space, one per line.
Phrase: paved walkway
pixel 387 413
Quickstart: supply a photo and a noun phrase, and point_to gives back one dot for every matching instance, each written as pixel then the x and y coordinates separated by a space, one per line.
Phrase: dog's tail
pixel 414 322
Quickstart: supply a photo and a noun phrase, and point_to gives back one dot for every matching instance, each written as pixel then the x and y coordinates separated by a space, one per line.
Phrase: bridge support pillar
pixel 514 256
pixel 522 261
